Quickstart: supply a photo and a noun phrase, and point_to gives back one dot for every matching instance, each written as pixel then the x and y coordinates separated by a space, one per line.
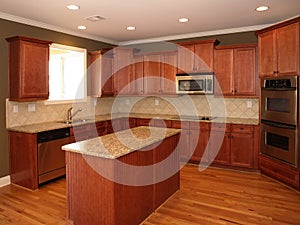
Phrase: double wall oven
pixel 279 110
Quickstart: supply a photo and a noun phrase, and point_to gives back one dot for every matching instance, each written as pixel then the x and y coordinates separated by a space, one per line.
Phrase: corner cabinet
pixel 100 75
pixel 196 56
pixel 236 70
pixel 279 49
pixel 28 69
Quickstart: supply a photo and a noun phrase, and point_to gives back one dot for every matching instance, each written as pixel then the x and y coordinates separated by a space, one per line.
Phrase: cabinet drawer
pixel 220 127
pixel 143 122
pixel 180 124
pixel 201 125
pixel 241 128
pixel 163 123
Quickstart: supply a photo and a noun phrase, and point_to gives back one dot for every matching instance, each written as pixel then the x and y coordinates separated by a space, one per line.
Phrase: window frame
pixel 77 49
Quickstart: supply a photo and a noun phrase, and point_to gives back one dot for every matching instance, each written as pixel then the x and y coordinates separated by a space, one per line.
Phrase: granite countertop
pixel 39 127
pixel 118 144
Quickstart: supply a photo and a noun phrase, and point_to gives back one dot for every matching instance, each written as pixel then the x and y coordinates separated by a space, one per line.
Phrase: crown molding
pixel 54 28
pixel 195 35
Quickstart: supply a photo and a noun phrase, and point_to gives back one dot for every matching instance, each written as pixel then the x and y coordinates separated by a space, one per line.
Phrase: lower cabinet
pixel 231 145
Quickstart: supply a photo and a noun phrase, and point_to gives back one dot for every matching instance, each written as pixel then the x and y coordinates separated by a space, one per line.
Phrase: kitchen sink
pixel 76 121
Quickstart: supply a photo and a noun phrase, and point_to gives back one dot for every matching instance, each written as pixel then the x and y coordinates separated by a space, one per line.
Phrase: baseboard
pixel 4 181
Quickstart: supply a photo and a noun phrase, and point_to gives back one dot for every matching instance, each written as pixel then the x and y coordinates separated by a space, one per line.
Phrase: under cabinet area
pixel 236 70
pixel 278 49
pixel 28 69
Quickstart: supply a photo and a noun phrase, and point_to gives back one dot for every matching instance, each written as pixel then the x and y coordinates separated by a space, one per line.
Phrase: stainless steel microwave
pixel 195 83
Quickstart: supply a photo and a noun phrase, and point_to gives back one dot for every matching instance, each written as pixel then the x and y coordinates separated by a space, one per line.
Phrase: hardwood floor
pixel 214 196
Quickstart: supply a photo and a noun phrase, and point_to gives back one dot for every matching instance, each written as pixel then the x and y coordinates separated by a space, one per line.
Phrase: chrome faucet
pixel 70 115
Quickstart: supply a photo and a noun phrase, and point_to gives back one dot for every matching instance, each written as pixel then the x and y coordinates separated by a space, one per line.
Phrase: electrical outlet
pixel 249 104
pixel 31 107
pixel 156 102
pixel 15 108
pixel 127 101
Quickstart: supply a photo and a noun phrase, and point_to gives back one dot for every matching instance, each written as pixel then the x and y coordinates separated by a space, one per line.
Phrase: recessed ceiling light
pixel 262 8
pixel 183 20
pixel 73 7
pixel 81 27
pixel 130 28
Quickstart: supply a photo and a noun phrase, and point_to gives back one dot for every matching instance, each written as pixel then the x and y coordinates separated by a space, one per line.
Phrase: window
pixel 67 74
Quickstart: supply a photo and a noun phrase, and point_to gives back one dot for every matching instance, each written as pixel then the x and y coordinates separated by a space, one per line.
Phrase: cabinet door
pixel 267 55
pixel 204 56
pixel 100 74
pixel 186 58
pixel 288 50
pixel 242 150
pixel 198 143
pixel 34 70
pixel 169 70
pixel 245 71
pixel 107 79
pixel 152 74
pixel 28 69
pixel 123 69
pixel 138 73
pixel 220 155
pixel 224 71
pixel 94 74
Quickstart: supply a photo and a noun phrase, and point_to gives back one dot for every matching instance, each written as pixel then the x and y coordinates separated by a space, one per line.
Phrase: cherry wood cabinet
pixel 123 71
pixel 138 72
pixel 168 73
pixel 183 145
pixel 152 74
pixel 100 74
pixel 236 70
pixel 219 146
pixel 196 56
pixel 279 49
pixel 198 140
pixel 155 73
pixel 242 146
pixel 28 69
pixel 230 145
pixel 113 207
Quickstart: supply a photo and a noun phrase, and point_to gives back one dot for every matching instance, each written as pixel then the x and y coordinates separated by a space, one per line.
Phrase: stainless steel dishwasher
pixel 51 159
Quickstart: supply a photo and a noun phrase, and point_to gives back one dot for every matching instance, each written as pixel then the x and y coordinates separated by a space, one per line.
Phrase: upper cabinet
pixel 278 49
pixel 196 56
pixel 28 69
pixel 236 70
pixel 101 81
pixel 159 73
pixel 123 71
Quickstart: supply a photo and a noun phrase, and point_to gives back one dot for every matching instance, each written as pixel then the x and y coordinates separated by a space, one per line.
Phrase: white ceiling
pixel 152 18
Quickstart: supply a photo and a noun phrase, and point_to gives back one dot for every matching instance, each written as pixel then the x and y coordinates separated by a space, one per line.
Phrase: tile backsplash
pixel 184 105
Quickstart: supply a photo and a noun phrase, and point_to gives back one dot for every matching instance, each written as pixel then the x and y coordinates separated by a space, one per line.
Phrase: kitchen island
pixel 121 178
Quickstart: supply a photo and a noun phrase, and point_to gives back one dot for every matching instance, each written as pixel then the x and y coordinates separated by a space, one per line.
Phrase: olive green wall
pixel 9 29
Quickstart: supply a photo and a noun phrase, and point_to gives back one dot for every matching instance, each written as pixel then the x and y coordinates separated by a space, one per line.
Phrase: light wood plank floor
pixel 211 197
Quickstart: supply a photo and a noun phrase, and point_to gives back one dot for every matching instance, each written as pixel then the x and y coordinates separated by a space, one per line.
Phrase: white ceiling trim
pixel 194 35
pixel 53 27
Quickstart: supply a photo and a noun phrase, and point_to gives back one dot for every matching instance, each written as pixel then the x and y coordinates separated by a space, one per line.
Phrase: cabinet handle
pixel 235 91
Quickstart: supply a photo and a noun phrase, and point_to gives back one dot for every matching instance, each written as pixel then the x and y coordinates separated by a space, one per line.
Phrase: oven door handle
pixel 279 125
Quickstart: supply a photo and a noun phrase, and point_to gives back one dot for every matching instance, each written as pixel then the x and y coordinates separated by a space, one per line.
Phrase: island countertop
pixel 118 144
